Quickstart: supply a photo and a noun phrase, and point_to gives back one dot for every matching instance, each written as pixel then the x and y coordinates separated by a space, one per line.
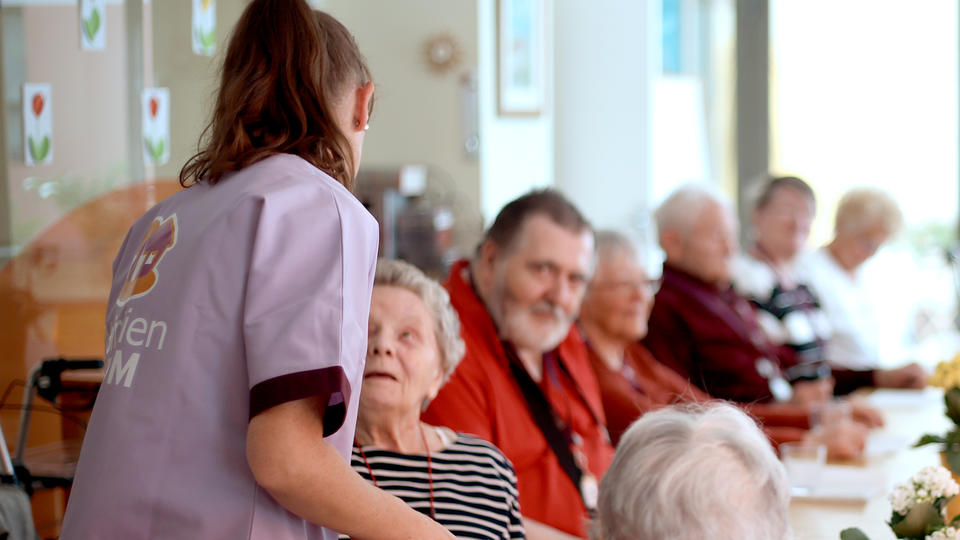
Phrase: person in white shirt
pixel 866 218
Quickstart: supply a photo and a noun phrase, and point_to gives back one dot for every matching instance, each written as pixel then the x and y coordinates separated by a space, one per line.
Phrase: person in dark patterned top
pixel 464 483
pixel 788 310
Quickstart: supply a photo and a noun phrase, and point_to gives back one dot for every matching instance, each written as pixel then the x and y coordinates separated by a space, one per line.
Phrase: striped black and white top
pixel 474 485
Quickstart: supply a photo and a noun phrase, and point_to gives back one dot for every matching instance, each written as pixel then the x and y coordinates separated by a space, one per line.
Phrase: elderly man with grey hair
pixel 525 383
pixel 704 330
pixel 692 473
pixel 699 325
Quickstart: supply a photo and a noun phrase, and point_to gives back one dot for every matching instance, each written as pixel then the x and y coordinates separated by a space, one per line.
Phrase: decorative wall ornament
pixel 520 57
pixel 442 52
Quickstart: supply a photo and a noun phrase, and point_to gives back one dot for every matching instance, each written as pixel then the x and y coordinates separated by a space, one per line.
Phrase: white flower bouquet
pixel 918 508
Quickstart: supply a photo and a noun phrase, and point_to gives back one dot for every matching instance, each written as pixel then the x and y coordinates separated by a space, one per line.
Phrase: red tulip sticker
pixel 156 125
pixel 37 123
pixel 37 104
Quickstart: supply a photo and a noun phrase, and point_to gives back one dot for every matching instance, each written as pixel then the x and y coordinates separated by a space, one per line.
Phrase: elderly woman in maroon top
pixel 632 382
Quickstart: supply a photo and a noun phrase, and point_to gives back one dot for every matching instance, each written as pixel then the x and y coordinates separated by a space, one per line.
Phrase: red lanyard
pixel 433 512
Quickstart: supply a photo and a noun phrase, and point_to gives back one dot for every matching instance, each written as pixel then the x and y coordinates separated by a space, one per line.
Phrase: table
pixel 908 414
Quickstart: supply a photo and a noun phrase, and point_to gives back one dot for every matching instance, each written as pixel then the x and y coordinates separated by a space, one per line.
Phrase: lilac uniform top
pixel 226 300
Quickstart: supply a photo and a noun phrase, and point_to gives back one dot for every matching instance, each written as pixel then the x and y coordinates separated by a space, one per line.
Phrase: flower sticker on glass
pixel 204 31
pixel 156 125
pixel 93 24
pixel 37 124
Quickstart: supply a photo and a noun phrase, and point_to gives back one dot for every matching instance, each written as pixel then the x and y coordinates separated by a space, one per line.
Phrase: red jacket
pixel 483 398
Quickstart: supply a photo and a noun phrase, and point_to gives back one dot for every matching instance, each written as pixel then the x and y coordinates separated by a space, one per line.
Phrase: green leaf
pixel 929 439
pixel 39 151
pixel 951 398
pixel 953 438
pixel 920 520
pixel 92 25
pixel 953 459
pixel 853 533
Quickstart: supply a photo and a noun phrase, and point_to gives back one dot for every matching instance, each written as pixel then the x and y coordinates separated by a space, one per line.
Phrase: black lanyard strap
pixel 543 415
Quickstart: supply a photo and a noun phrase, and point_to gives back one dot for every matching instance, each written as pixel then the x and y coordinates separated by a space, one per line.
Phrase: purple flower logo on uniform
pixel 142 275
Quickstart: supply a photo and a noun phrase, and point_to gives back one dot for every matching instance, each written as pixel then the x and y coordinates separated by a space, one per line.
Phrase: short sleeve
pixel 308 298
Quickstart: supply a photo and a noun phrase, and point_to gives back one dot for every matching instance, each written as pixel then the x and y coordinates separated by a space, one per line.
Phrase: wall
pixel 517 153
pixel 604 68
pixel 90 117
pixel 417 118
pixel 192 79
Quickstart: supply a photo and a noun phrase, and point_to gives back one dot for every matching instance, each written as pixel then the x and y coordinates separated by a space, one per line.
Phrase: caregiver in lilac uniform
pixel 237 321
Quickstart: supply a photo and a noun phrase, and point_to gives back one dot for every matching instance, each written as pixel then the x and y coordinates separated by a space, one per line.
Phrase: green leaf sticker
pixel 158 150
pixel 92 25
pixel 155 149
pixel 39 151
pixel 853 533
pixel 207 39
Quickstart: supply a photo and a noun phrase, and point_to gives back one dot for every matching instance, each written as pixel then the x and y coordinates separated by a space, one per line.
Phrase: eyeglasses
pixel 650 286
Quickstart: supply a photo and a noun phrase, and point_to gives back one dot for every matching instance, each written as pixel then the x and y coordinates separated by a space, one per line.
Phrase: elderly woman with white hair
pixel 688 473
pixel 413 347
pixel 866 219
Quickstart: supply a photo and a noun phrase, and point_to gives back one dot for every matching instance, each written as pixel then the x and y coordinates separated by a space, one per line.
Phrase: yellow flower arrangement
pixel 947 373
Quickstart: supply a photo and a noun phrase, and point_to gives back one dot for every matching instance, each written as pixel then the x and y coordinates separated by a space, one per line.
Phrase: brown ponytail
pixel 285 70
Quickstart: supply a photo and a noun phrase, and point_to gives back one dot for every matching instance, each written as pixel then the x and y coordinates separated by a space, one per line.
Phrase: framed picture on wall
pixel 520 57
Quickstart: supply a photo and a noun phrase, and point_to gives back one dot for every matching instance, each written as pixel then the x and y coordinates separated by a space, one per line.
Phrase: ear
pixel 754 218
pixel 361 106
pixel 486 259
pixel 488 252
pixel 433 390
pixel 435 385
pixel 672 243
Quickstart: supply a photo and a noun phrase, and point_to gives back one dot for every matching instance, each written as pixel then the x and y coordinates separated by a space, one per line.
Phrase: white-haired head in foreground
pixel 694 472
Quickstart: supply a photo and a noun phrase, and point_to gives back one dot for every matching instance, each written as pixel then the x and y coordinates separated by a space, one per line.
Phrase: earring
pixel 356 122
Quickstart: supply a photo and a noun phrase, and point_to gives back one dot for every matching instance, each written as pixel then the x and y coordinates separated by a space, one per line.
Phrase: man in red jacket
pixel 525 383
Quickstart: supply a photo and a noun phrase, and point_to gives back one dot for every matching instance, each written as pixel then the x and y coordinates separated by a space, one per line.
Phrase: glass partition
pixel 865 93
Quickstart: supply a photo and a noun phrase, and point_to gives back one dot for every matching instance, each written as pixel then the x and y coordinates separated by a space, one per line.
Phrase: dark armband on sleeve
pixel 326 383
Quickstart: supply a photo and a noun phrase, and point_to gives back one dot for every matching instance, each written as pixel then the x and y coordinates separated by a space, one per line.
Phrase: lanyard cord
pixel 363 455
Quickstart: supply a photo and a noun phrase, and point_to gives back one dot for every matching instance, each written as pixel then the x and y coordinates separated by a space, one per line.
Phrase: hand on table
pixel 908 376
pixel 812 393
pixel 844 438
pixel 864 414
